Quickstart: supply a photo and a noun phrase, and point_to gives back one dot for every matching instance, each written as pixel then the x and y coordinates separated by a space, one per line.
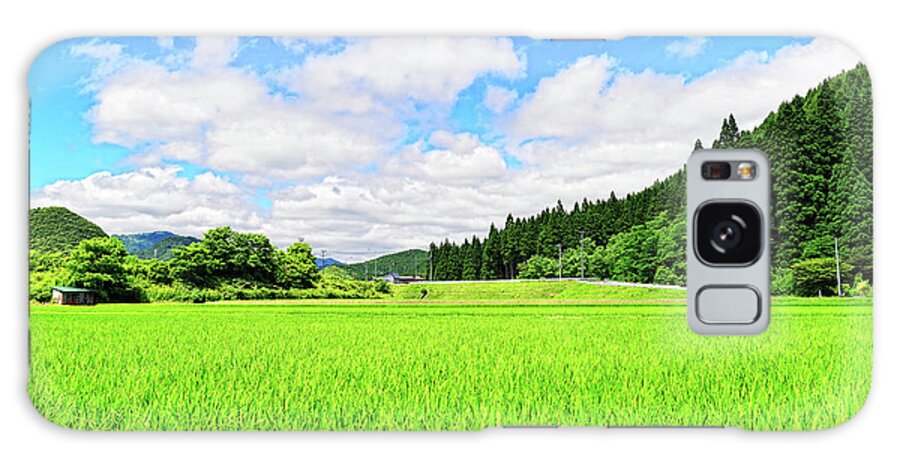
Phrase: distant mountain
pixel 162 250
pixel 409 262
pixel 137 242
pixel 55 228
pixel 323 263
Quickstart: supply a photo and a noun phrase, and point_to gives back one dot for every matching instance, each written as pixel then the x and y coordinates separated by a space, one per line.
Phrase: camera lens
pixel 728 233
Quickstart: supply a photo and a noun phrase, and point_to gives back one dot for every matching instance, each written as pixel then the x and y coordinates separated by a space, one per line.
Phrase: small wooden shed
pixel 73 296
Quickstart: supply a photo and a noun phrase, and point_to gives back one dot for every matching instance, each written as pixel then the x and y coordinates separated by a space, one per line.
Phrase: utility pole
pixel 582 253
pixel 559 245
pixel 837 260
pixel 323 260
pixel 430 265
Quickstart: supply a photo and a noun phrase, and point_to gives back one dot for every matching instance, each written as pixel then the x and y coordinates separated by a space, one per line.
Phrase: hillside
pixel 323 263
pixel 137 242
pixel 409 262
pixel 162 250
pixel 54 228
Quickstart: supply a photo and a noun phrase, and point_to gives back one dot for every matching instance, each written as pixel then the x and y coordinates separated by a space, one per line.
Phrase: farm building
pixel 73 296
pixel 394 278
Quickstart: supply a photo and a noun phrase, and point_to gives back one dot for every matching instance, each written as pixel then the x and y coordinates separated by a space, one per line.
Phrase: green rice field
pixel 468 357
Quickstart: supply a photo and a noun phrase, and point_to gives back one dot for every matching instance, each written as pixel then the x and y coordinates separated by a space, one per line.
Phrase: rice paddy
pixel 576 355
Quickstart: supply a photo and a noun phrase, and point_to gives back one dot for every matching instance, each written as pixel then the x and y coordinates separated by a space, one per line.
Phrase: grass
pixel 445 364
pixel 534 290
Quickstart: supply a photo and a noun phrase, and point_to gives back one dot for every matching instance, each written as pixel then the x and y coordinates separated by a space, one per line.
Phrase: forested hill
pixel 163 249
pixel 142 241
pixel 409 262
pixel 820 148
pixel 57 229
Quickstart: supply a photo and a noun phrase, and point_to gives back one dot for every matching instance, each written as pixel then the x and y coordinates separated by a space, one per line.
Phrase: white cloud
pixel 284 142
pixel 300 45
pixel 390 212
pixel 108 57
pixel 591 114
pixel 214 52
pixel 498 99
pixel 456 158
pixel 567 103
pixel 153 199
pixel 166 42
pixel 431 70
pixel 96 49
pixel 294 44
pixel 149 103
pixel 687 48
pixel 227 120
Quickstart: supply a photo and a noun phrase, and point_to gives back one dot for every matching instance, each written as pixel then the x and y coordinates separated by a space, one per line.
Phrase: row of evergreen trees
pixel 820 150
pixel 504 251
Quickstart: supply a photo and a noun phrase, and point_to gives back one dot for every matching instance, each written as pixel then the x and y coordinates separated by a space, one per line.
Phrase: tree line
pixel 223 265
pixel 820 150
pixel 609 234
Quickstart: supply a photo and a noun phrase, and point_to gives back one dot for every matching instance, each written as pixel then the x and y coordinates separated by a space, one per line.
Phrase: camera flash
pixel 746 171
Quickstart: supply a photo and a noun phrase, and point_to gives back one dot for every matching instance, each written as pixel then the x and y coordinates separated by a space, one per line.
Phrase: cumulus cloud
pixel 687 48
pixel 427 70
pixel 498 99
pixel 455 158
pixel 390 212
pixel 214 52
pixel 153 199
pixel 596 116
pixel 228 121
pixel 567 103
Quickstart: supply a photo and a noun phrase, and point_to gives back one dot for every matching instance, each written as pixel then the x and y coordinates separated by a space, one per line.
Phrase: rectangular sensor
pixel 728 170
pixel 716 170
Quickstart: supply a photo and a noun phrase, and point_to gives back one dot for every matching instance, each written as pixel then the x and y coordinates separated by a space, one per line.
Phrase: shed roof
pixel 72 289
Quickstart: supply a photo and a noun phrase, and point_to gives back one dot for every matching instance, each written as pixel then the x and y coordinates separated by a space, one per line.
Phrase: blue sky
pixel 276 130
pixel 61 146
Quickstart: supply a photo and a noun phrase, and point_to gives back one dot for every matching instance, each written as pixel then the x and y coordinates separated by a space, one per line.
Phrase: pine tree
pixel 729 134
pixel 491 256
